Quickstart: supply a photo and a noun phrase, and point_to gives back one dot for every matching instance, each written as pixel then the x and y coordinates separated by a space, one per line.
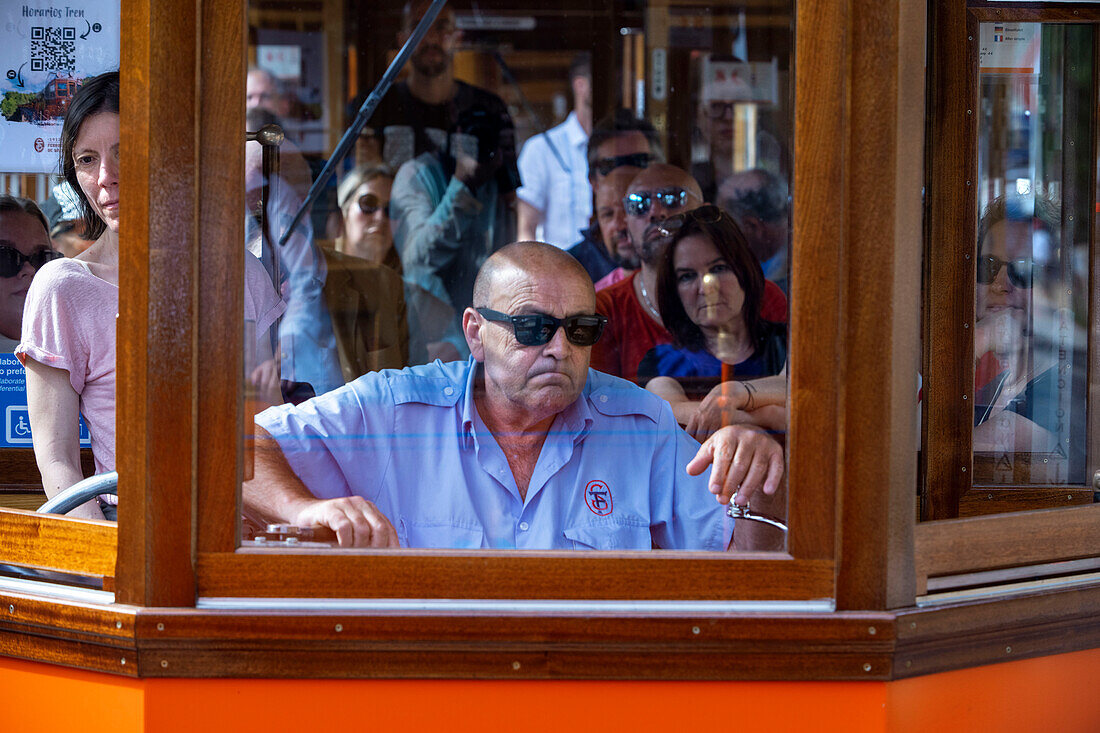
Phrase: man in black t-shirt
pixel 421 114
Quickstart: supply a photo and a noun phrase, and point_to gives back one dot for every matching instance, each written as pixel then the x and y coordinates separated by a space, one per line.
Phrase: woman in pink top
pixel 68 338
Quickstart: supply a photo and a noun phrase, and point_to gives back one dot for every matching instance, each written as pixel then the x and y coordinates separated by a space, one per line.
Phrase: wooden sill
pixel 185 642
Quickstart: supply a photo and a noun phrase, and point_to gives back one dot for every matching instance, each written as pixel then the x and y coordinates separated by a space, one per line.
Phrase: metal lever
pixel 744 512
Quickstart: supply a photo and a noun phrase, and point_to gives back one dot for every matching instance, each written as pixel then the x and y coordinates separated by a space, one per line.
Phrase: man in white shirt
pixel 554 202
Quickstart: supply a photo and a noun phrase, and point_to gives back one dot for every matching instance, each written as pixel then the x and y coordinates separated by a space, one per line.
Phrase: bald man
pixel 635 325
pixel 521 447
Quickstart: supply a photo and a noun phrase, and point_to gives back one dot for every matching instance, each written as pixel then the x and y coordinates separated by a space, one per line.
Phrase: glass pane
pixel 59 254
pixel 585 127
pixel 1034 183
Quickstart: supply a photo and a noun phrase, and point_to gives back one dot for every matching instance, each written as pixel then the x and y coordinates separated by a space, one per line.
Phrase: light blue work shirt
pixel 610 475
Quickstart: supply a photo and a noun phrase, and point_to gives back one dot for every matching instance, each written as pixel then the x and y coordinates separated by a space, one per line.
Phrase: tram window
pixel 1035 174
pixel 483 141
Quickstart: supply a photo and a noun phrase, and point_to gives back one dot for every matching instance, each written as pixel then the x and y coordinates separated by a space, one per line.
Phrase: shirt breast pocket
pixel 439 536
pixel 610 537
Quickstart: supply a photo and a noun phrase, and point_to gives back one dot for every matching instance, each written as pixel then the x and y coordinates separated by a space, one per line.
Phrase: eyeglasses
pixel 11 259
pixel 1020 272
pixel 717 110
pixel 635 160
pixel 536 329
pixel 370 204
pixel 640 202
pixel 705 214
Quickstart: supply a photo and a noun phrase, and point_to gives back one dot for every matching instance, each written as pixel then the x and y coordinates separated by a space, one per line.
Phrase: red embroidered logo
pixel 598 497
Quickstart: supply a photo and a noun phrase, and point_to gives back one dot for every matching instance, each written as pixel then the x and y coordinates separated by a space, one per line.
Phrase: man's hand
pixel 356 522
pixel 745 462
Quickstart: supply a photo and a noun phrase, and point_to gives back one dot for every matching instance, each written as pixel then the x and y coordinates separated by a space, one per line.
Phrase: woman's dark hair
pixel 717 227
pixel 14 204
pixel 98 94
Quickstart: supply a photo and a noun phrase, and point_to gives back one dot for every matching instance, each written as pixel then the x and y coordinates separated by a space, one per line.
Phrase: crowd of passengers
pixel 428 369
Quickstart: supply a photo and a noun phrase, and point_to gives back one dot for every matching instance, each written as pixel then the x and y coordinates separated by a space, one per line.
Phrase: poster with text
pixel 1010 48
pixel 47 49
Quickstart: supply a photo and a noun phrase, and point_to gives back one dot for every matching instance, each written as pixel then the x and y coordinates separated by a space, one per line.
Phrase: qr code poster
pixel 47 50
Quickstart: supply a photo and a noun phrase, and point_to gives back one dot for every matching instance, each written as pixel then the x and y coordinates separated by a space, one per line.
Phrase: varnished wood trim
pixel 951 230
pixel 817 233
pixel 68 619
pixel 80 546
pixel 221 271
pixel 694 662
pixel 418 574
pixel 115 659
pixel 996 630
pixel 986 543
pixel 1081 14
pixel 985 500
pixel 185 642
pixel 881 315
pixel 157 305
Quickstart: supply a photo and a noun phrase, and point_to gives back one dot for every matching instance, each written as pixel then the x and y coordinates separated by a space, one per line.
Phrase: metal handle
pixel 744 512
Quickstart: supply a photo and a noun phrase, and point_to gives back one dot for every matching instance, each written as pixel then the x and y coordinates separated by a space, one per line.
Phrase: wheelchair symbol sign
pixel 17 425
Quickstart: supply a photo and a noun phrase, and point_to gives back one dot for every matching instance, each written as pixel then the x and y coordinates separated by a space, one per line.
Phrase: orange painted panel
pixel 1054 693
pixel 528 706
pixel 41 698
pixel 532 706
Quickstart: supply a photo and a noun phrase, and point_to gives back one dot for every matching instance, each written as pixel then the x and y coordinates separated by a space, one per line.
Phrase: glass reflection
pixel 1030 340
pixel 493 134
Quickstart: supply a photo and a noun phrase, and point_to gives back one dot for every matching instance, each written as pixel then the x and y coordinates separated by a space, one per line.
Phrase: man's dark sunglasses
pixel 536 329
pixel 705 214
pixel 1020 272
pixel 11 259
pixel 635 160
pixel 640 202
pixel 369 204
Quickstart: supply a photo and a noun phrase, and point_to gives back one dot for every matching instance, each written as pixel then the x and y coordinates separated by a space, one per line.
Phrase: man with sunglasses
pixel 521 447
pixel 24 247
pixel 656 193
pixel 620 146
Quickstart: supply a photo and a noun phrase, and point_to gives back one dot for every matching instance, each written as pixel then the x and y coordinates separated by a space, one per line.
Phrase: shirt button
pixel 524 526
pixel 603 398
pixel 448 391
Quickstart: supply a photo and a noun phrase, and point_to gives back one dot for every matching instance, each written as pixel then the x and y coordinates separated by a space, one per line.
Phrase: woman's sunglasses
pixel 536 329
pixel 11 259
pixel 370 205
pixel 1020 272
pixel 640 202
pixel 705 214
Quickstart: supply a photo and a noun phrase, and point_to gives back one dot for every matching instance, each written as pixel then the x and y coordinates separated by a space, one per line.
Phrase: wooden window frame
pixel 946 545
pixel 806 571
